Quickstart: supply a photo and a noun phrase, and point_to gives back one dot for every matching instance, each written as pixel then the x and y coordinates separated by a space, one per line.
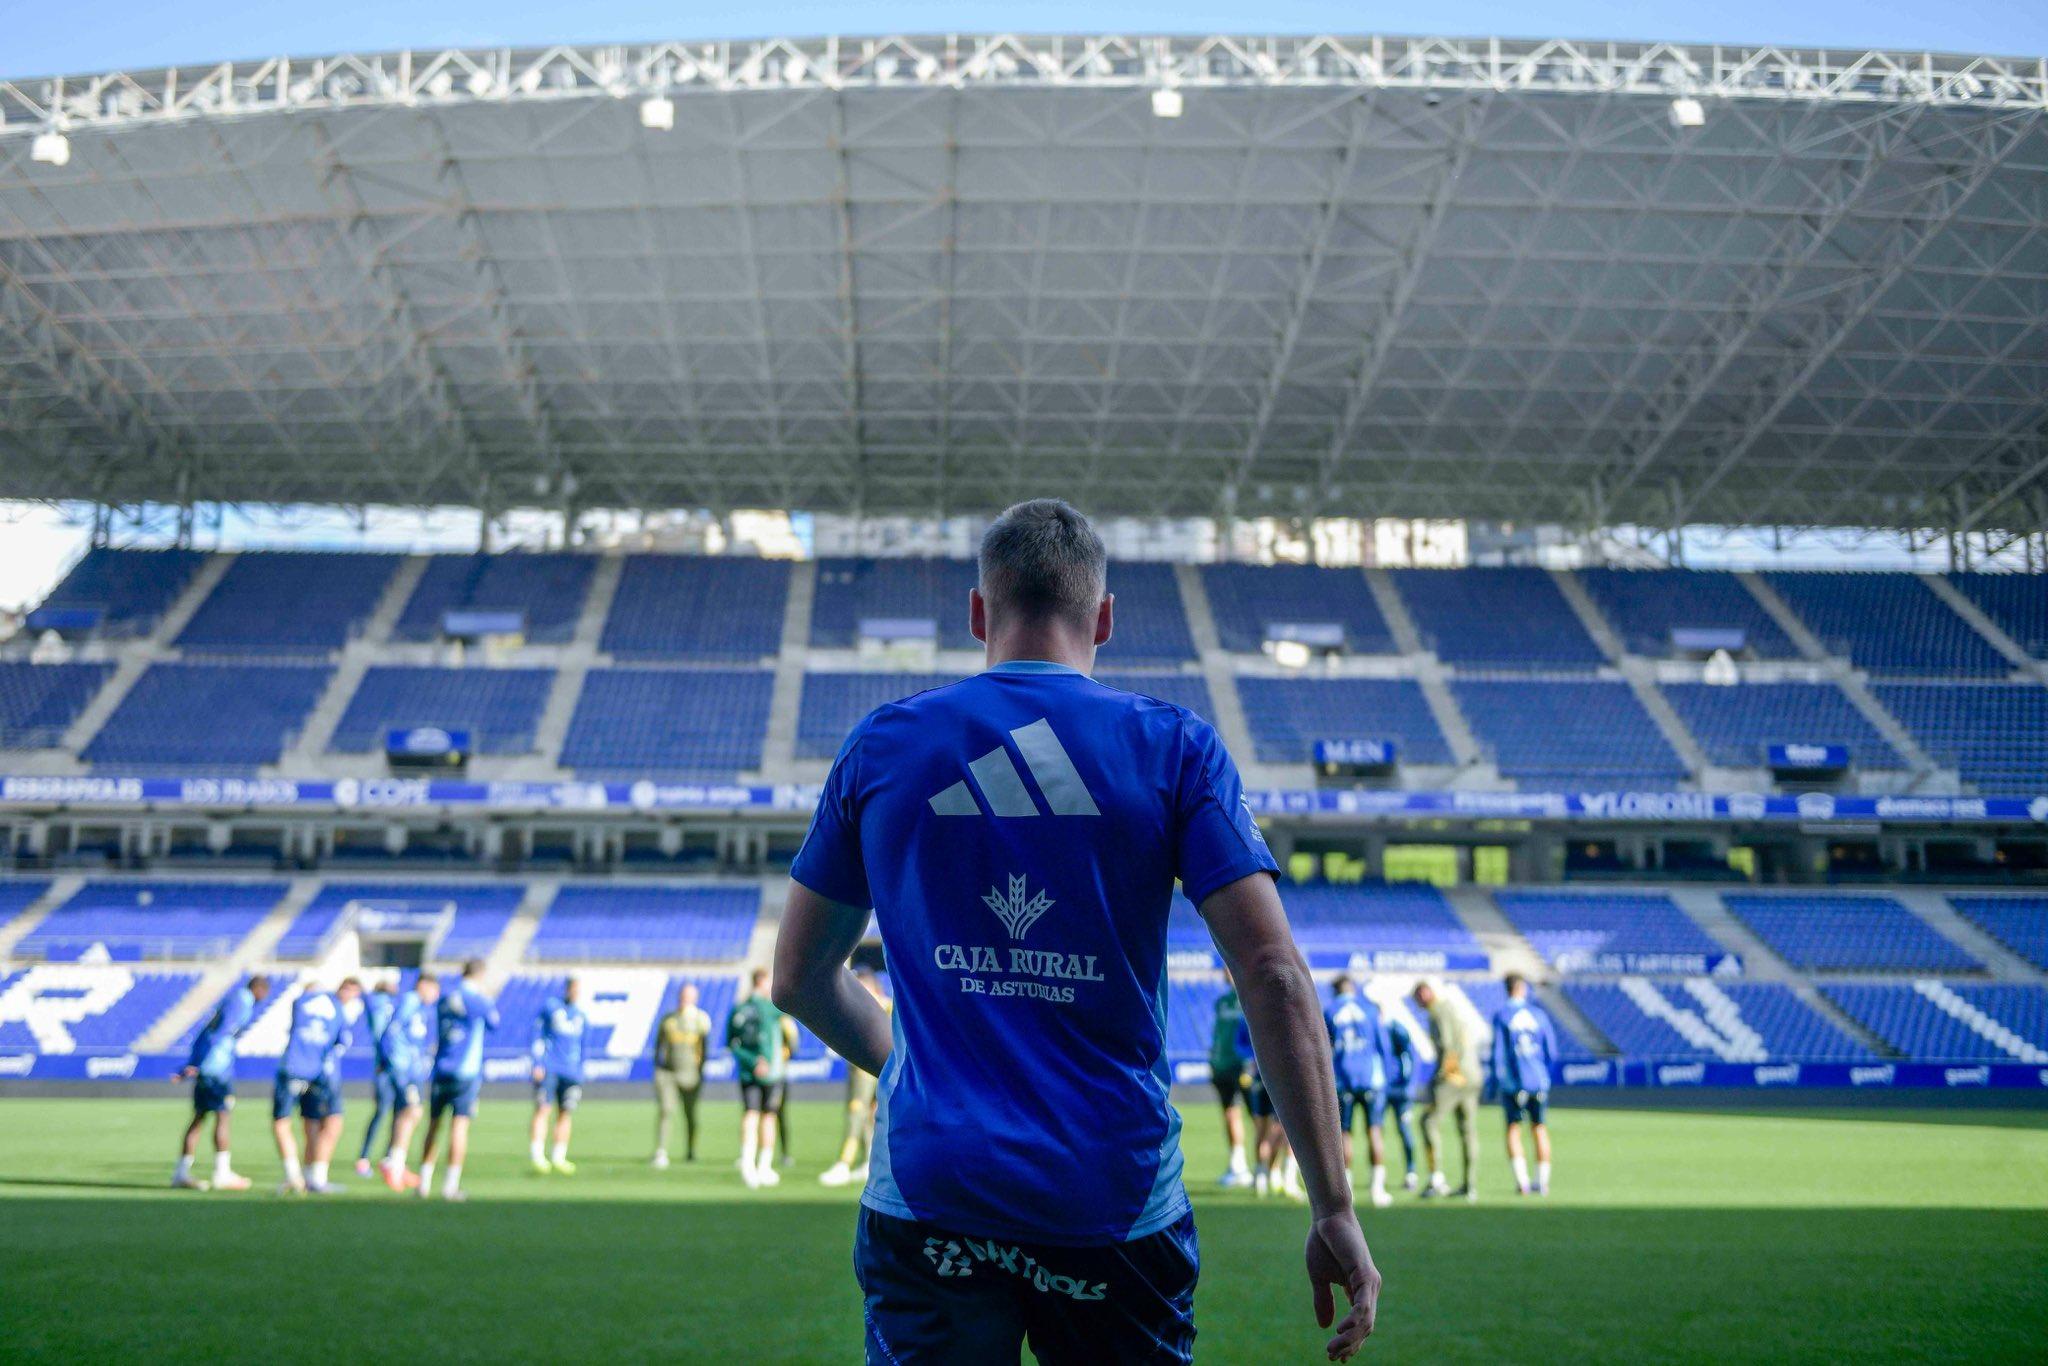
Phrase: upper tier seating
pixel 1245 599
pixel 1819 933
pixel 38 702
pixel 1952 1021
pixel 1994 734
pixel 1288 715
pixel 1151 625
pixel 288 602
pixel 833 704
pixel 1584 731
pixel 209 716
pixel 152 919
pixel 851 591
pixel 132 589
pixel 1502 618
pixel 2018 922
pixel 1644 605
pixel 481 913
pixel 1182 690
pixel 1886 623
pixel 105 1007
pixel 1574 930
pixel 632 923
pixel 707 723
pixel 18 894
pixel 1735 725
pixel 1389 917
pixel 1704 1019
pixel 2018 603
pixel 708 607
pixel 499 707
pixel 548 589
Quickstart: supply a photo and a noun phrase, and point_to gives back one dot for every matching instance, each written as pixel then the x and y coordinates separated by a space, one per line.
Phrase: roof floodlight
pixel 1687 112
pixel 51 148
pixel 658 112
pixel 1167 103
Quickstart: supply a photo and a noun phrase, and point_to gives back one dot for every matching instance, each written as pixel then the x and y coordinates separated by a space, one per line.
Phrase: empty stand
pixel 1994 734
pixel 1247 599
pixel 98 1008
pixel 130 589
pixel 851 591
pixel 1288 715
pixel 1890 624
pixel 281 602
pixel 1835 933
pixel 1151 622
pixel 833 704
pixel 1964 1022
pixel 2018 922
pixel 1578 930
pixel 1396 917
pixel 38 702
pixel 546 589
pixel 1734 725
pixel 129 920
pixel 1645 605
pixel 631 924
pixel 1586 731
pixel 687 722
pixel 700 607
pixel 499 707
pixel 209 716
pixel 1705 1019
pixel 1502 618
pixel 2018 603
pixel 1182 690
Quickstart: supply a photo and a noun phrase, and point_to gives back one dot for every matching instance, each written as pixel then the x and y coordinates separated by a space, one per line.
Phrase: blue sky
pixel 42 38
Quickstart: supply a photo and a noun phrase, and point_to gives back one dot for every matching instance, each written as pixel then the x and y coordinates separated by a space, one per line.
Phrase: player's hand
pixel 185 1074
pixel 539 1075
pixel 1338 1256
pixel 761 1069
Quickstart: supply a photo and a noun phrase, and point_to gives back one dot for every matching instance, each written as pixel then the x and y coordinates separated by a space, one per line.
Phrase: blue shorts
pixel 559 1092
pixel 935 1296
pixel 409 1094
pixel 1258 1100
pixel 213 1095
pixel 455 1093
pixel 1535 1104
pixel 316 1099
pixel 1348 1101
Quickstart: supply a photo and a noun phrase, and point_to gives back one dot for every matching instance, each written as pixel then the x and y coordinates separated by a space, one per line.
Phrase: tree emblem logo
pixel 1017 911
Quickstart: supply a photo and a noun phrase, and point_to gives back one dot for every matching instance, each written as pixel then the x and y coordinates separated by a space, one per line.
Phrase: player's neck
pixel 1045 645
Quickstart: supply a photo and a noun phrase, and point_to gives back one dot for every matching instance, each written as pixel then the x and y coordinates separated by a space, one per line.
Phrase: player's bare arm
pixel 1279 1001
pixel 813 983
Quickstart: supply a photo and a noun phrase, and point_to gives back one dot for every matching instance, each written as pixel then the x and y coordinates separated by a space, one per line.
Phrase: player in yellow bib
pixel 860 1109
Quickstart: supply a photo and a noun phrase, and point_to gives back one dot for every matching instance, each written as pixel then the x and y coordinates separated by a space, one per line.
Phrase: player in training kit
pixel 1274 1166
pixel 1453 1092
pixel 1018 836
pixel 557 1076
pixel 377 1010
pixel 1524 1060
pixel 408 1045
pixel 754 1034
pixel 860 1108
pixel 1400 1077
pixel 1358 1048
pixel 680 1042
pixel 461 1020
pixel 309 1082
pixel 1227 1075
pixel 211 1070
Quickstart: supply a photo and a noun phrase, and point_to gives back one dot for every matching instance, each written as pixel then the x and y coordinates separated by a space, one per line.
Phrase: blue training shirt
pixel 319 1036
pixel 1358 1043
pixel 558 1040
pixel 1524 1047
pixel 1401 1048
pixel 403 1045
pixel 378 1008
pixel 464 1017
pixel 213 1049
pixel 1018 835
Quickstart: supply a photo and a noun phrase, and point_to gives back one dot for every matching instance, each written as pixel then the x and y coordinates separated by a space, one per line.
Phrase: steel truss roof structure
pixel 1361 277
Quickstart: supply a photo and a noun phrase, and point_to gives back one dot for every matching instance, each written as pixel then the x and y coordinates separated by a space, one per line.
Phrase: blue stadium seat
pixel 1994 734
pixel 1890 624
pixel 132 589
pixel 1151 623
pixel 698 607
pixel 611 922
pixel 1390 917
pixel 851 591
pixel 18 894
pixel 1500 618
pixel 1569 926
pixel 132 920
pixel 1645 605
pixel 1567 732
pixel 1288 715
pixel 547 589
pixel 288 602
pixel 1734 725
pixel 1836 933
pixel 38 702
pixel 1245 599
pixel 2018 922
pixel 209 716
pixel 1951 1022
pixel 2018 603
pixel 1706 1019
pixel 833 704
pixel 117 1005
pixel 1182 690
pixel 499 707
pixel 707 723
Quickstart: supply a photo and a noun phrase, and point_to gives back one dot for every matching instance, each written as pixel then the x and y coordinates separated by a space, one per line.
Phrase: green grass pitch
pixel 1800 1235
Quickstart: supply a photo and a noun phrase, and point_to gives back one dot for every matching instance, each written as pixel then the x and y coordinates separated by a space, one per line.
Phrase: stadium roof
pixel 1354 276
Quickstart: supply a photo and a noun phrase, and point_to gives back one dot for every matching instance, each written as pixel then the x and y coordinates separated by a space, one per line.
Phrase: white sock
pixel 184 1171
pixel 317 1173
pixel 1379 1180
pixel 221 1165
pixel 426 1176
pixel 767 1159
pixel 454 1178
pixel 561 1153
pixel 1291 1176
pixel 393 1161
pixel 1237 1157
pixel 1543 1175
pixel 293 1176
pixel 1521 1167
pixel 750 1152
pixel 535 1149
pixel 1436 1177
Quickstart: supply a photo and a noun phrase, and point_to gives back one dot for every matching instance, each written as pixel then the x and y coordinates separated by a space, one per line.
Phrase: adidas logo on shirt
pixel 995 776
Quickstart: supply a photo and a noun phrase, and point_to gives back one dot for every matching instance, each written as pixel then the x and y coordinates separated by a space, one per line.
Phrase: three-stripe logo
pixel 1002 786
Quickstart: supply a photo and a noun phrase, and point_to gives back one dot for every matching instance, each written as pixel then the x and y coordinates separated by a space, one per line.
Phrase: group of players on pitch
pixel 1375 1061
